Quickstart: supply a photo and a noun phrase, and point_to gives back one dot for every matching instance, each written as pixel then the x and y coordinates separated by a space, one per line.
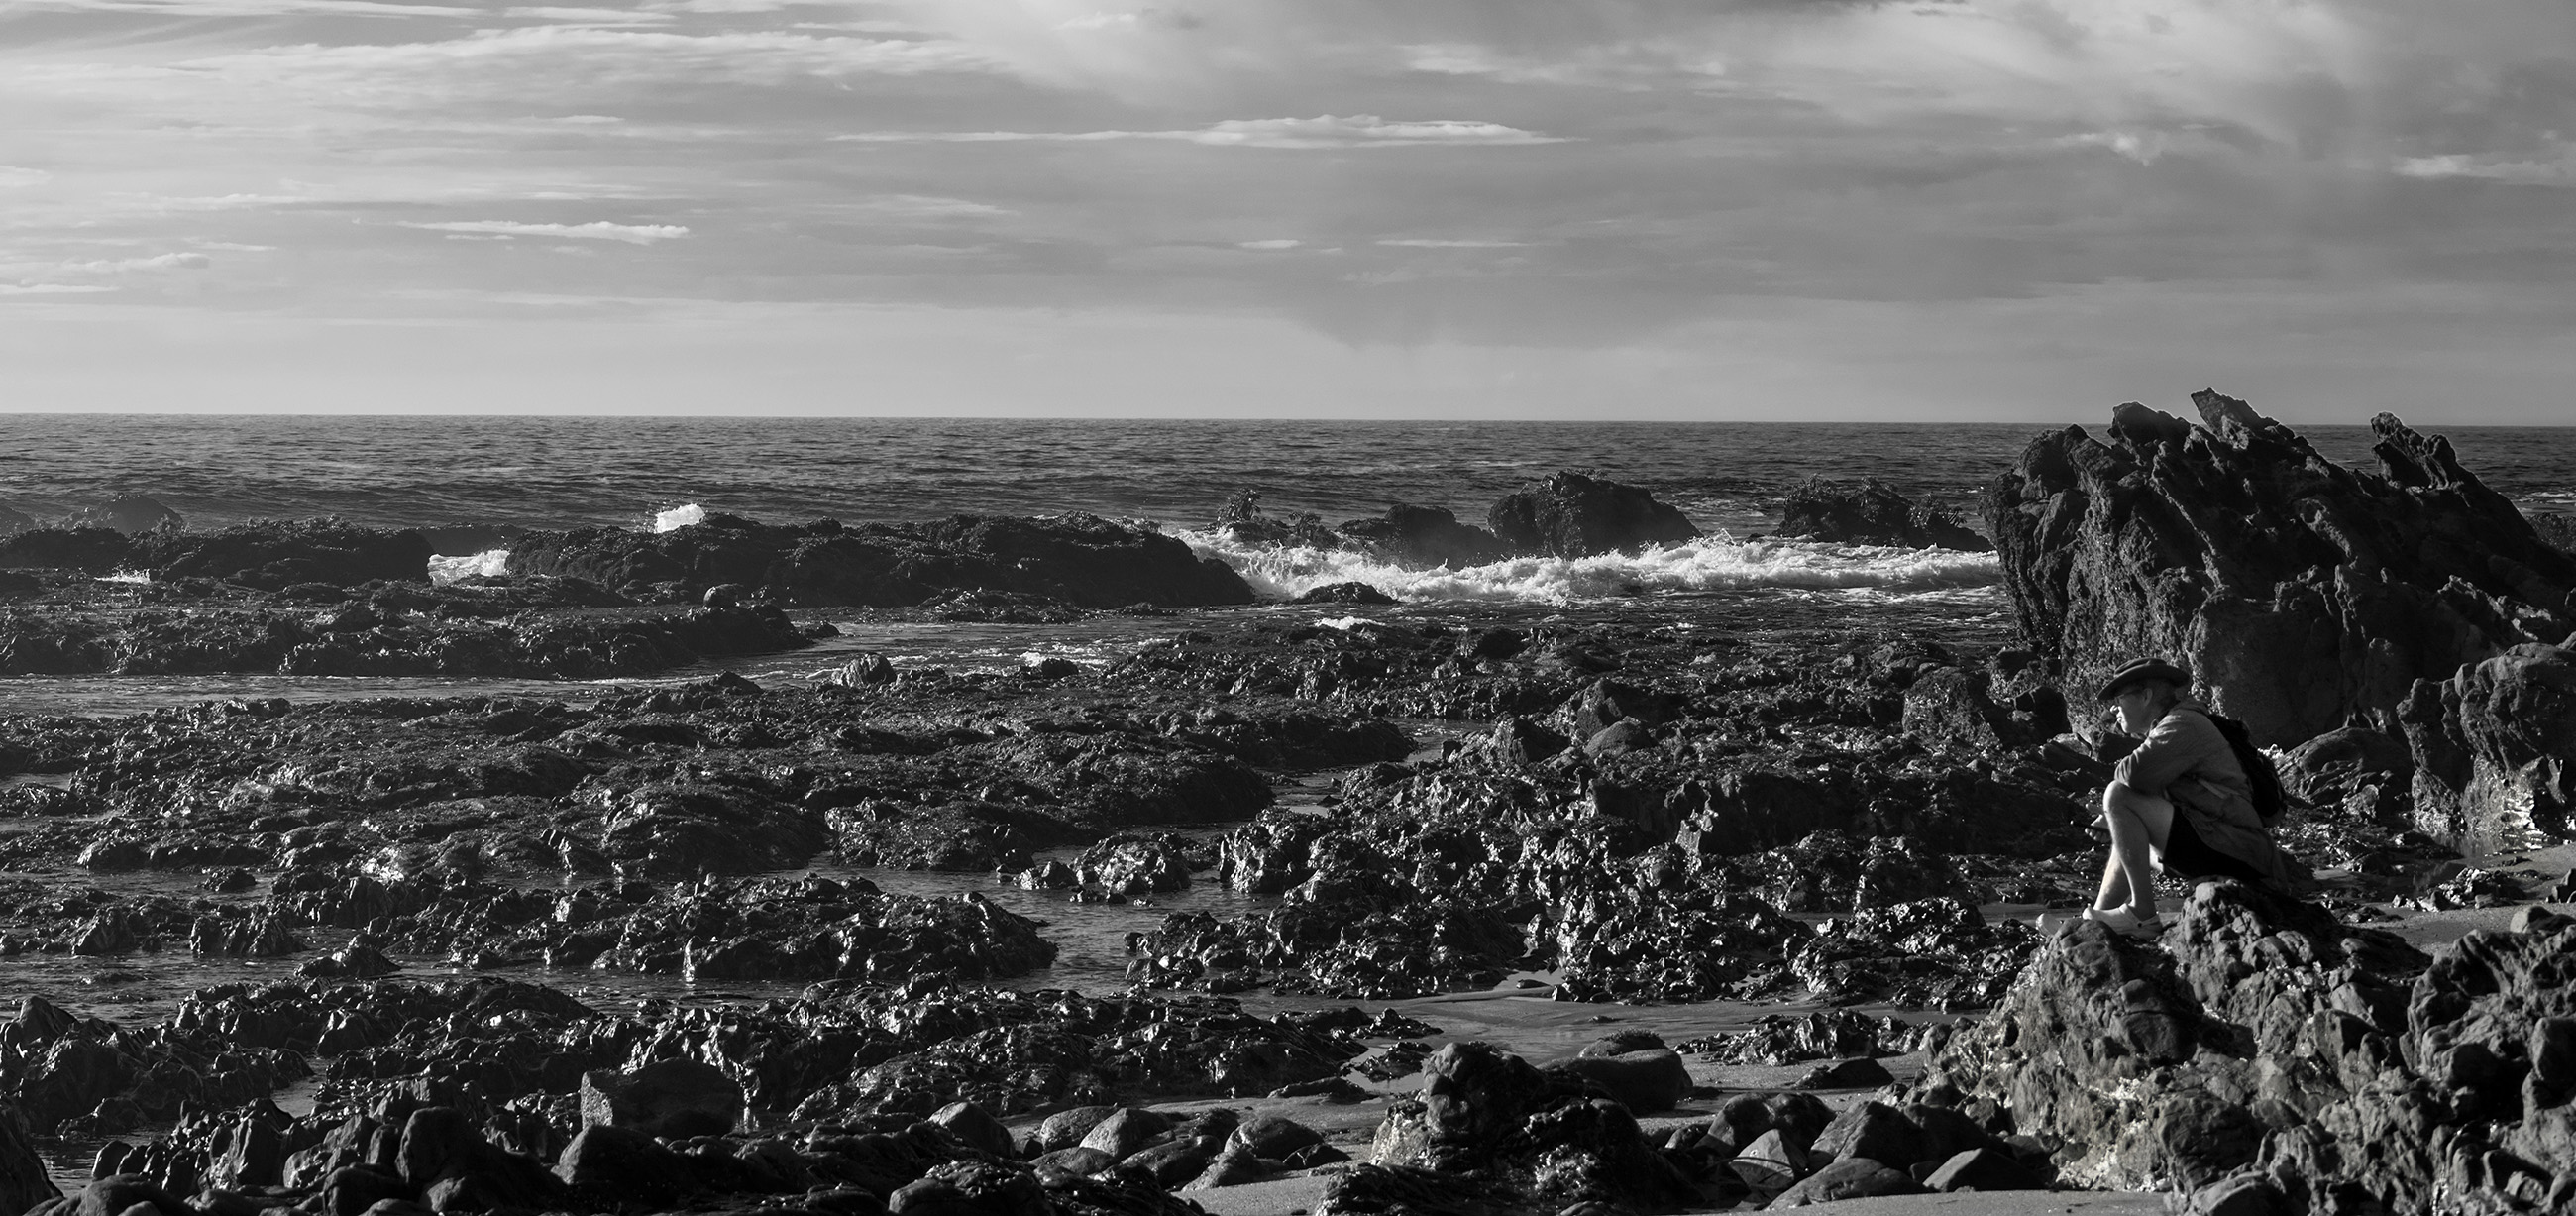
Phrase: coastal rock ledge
pixel 2263 1058
pixel 2306 594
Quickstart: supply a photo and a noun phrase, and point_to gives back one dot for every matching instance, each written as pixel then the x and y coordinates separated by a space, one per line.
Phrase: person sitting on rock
pixel 2180 802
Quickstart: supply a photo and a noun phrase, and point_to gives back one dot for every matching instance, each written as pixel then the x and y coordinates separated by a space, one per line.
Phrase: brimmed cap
pixel 2143 669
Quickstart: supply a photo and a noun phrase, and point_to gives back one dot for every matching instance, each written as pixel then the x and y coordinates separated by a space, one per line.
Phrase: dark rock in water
pixel 1080 559
pixel 95 550
pixel 131 514
pixel 1130 864
pixel 1426 536
pixel 1344 593
pixel 23 1181
pixel 669 1098
pixel 2494 748
pixel 2298 592
pixel 1870 513
pixel 1490 1117
pixel 274 554
pixel 1574 515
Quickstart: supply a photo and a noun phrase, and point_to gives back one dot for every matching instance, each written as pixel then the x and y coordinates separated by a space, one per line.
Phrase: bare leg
pixel 2139 824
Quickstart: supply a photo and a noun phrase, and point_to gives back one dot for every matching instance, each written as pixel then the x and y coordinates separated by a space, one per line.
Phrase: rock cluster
pixel 1078 559
pixel 1564 515
pixel 1871 513
pixel 2301 593
pixel 2263 1047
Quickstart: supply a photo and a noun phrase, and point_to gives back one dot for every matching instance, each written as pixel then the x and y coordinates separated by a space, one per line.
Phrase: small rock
pixel 1846 1074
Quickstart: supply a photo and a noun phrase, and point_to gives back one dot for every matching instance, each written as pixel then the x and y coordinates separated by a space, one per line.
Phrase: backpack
pixel 2261 779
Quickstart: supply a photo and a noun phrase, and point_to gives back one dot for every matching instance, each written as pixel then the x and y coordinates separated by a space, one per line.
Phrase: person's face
pixel 2137 706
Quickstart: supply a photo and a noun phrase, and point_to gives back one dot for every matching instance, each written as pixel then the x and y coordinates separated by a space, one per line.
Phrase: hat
pixel 2143 669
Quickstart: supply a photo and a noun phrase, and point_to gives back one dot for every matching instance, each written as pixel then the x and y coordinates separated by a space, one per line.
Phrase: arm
pixel 2180 744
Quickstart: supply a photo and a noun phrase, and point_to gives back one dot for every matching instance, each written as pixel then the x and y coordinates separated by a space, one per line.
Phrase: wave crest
pixel 490 563
pixel 1712 563
pixel 682 516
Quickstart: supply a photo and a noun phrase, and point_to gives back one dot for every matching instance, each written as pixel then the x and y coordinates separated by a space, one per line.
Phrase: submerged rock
pixel 2299 592
pixel 1426 536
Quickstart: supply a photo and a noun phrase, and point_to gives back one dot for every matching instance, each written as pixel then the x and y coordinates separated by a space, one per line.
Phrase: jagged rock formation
pixel 1081 559
pixel 1574 515
pixel 1870 513
pixel 2300 592
pixel 2495 751
pixel 1488 1121
pixel 2261 1046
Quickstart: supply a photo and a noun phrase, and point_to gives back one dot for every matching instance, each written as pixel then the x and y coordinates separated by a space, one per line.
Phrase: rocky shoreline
pixel 1606 813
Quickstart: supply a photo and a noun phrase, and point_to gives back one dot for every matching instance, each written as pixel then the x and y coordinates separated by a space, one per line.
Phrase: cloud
pixel 162 261
pixel 555 61
pixel 202 9
pixel 51 289
pixel 12 176
pixel 575 15
pixel 2560 171
pixel 921 207
pixel 1324 132
pixel 1424 242
pixel 1271 244
pixel 597 230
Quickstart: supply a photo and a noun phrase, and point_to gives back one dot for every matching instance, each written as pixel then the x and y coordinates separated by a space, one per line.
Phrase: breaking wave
pixel 1711 563
pixel 682 516
pixel 489 563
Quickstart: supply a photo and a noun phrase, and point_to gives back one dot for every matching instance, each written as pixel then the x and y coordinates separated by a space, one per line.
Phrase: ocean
pixel 1730 478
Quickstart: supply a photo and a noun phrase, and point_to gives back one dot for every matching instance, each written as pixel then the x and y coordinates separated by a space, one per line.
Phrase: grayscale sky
pixel 1777 209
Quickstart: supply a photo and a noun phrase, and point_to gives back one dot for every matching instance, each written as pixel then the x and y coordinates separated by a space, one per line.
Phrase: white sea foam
pixel 679 517
pixel 444 569
pixel 126 576
pixel 1712 563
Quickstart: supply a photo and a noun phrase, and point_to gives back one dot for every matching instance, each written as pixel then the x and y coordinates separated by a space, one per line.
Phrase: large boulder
pixel 2494 751
pixel 1871 513
pixel 664 1098
pixel 1575 515
pixel 1079 559
pixel 2300 592
pixel 1425 536
pixel 1485 1116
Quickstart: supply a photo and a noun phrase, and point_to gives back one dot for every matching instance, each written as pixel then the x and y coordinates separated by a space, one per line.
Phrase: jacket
pixel 2185 761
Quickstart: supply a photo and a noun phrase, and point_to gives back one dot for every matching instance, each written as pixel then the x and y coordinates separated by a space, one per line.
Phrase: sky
pixel 1998 210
